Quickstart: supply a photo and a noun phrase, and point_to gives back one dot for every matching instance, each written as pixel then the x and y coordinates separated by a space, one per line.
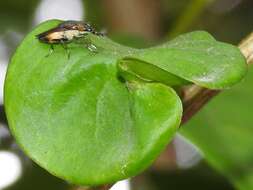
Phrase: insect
pixel 67 32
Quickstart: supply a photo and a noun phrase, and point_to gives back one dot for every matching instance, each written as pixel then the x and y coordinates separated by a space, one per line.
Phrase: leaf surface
pixel 77 119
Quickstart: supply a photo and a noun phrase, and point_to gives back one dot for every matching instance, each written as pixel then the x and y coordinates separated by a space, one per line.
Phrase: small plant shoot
pixel 97 118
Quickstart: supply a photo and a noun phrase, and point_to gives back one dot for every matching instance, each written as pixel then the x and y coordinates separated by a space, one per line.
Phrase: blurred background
pixel 136 23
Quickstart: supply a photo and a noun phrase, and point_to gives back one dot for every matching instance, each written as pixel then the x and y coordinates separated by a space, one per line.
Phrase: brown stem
pixel 246 47
pixel 193 105
pixel 105 187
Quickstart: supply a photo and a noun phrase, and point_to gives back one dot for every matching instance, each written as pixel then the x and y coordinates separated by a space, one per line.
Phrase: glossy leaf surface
pixel 196 57
pixel 76 119
pixel 79 120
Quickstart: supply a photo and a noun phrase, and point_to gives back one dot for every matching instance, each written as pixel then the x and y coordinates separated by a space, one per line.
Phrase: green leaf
pixel 77 119
pixel 133 69
pixel 223 132
pixel 196 57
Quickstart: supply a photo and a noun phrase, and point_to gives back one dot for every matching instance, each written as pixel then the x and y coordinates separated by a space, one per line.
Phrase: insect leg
pixel 90 46
pixel 51 50
pixel 64 45
pixel 87 43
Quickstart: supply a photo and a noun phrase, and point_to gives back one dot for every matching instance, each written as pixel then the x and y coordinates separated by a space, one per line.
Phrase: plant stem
pixel 193 105
pixel 246 47
pixel 105 187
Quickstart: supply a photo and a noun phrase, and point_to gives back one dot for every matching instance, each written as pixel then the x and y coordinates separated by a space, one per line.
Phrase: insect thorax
pixel 71 34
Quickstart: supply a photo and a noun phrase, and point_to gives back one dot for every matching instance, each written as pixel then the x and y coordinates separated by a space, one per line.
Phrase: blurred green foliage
pixel 17 15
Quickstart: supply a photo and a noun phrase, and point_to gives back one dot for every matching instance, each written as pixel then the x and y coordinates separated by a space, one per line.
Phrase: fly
pixel 67 32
